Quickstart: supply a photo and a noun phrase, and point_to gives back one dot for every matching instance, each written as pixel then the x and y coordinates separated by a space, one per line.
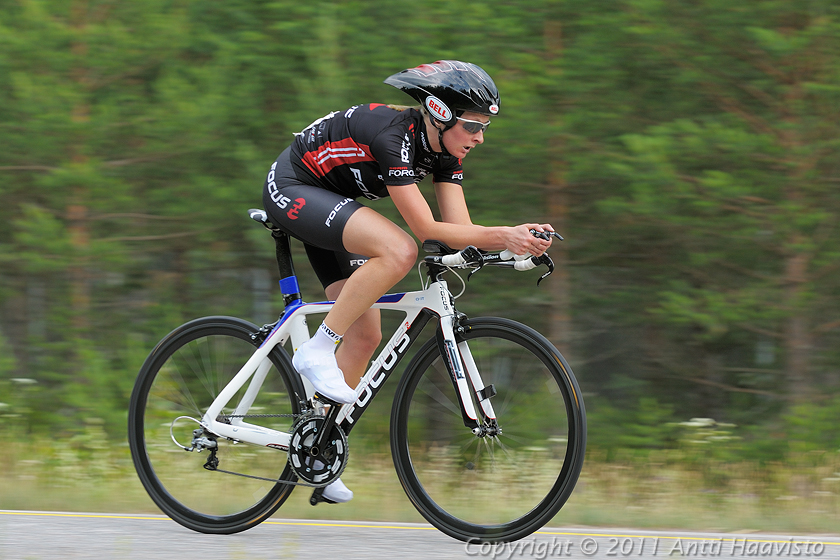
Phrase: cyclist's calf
pixel 359 343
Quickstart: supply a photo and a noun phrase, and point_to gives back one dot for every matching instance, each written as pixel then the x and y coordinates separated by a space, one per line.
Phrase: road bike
pixel 487 432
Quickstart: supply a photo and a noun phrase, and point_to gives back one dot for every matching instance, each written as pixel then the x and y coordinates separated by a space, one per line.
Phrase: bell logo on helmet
pixel 494 109
pixel 438 108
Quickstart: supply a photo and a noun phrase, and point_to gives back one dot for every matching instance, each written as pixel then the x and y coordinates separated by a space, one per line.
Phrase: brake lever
pixel 546 260
pixel 473 255
pixel 546 234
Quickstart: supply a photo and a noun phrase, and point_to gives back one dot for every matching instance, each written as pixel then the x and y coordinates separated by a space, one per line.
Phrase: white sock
pixel 315 360
pixel 324 340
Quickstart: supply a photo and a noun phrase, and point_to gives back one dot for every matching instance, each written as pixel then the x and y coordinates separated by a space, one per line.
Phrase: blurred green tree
pixel 686 150
pixel 716 205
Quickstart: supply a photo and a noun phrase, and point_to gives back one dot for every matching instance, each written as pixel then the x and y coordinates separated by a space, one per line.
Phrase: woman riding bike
pixel 376 151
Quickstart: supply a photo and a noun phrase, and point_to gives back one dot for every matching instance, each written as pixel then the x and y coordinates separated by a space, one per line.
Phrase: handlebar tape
pixel 507 255
pixel 471 255
pixel 455 259
pixel 528 264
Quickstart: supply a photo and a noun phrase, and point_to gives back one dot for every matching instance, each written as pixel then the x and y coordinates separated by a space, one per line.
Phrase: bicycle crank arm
pixel 322 439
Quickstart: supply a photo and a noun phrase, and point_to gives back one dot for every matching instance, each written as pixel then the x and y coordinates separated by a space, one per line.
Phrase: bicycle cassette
pixel 314 464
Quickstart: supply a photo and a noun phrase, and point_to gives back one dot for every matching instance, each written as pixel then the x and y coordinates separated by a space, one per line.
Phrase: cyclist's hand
pixel 521 241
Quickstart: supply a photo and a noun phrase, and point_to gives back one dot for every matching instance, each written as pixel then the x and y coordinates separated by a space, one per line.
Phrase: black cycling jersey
pixel 310 190
pixel 360 151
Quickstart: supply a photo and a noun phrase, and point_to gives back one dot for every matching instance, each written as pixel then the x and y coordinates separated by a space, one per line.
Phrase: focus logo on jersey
pixel 400 172
pixel 438 108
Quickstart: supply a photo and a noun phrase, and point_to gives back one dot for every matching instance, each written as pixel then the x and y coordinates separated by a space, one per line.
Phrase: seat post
pixel 288 280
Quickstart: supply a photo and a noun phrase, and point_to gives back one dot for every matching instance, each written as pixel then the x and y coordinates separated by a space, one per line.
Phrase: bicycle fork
pixel 466 378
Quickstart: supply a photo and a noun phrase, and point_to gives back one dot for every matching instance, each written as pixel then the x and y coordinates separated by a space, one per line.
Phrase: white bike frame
pixel 435 301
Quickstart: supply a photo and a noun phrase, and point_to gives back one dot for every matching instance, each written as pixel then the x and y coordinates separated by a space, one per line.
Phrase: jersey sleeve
pixel 394 150
pixel 450 171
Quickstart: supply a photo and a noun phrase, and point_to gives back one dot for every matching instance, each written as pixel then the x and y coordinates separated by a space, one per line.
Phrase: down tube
pixel 385 364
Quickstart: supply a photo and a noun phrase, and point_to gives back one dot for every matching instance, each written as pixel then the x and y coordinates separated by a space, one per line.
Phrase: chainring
pixel 317 467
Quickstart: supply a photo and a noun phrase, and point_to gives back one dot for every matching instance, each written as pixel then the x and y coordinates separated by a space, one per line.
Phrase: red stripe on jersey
pixel 332 154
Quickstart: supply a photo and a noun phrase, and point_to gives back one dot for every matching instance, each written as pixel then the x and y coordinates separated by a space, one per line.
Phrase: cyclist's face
pixel 458 141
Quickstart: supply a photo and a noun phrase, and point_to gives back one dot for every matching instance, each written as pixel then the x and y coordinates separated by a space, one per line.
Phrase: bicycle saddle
pixel 262 217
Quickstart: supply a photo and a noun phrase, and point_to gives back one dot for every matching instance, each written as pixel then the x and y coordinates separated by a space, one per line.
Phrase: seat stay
pixel 242 431
pixel 251 393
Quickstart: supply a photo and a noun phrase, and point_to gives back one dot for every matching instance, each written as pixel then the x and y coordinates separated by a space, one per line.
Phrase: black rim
pixel 198 341
pixel 535 358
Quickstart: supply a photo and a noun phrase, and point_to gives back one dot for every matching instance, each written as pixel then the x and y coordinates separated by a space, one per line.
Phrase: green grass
pixel 661 490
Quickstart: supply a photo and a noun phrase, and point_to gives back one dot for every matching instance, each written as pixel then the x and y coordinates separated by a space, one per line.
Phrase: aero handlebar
pixel 471 257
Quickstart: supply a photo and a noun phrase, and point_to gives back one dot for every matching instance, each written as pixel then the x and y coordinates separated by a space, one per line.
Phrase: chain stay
pixel 212 463
pixel 223 417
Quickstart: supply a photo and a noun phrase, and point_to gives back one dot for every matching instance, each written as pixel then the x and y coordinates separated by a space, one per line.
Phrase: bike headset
pixel 447 89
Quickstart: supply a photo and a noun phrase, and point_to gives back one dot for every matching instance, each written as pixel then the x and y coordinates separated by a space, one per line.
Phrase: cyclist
pixel 375 151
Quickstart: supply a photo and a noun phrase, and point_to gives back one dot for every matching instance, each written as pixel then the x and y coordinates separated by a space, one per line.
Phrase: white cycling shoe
pixel 321 369
pixel 337 492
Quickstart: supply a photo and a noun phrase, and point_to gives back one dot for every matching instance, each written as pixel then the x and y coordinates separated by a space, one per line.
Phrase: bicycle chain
pixel 275 480
pixel 210 466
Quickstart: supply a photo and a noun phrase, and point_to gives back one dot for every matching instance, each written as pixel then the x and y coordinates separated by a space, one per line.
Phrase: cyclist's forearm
pixel 419 218
pixel 456 230
pixel 459 236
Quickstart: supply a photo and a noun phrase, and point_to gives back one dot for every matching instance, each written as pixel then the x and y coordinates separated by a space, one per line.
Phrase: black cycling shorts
pixel 313 215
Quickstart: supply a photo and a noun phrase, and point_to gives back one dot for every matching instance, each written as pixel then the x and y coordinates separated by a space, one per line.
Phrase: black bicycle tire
pixel 561 490
pixel 182 514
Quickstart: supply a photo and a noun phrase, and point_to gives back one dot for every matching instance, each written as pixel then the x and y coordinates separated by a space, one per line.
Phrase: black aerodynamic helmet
pixel 448 88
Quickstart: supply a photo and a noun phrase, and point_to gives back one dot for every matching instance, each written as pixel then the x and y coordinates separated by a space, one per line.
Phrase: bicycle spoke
pixel 183 378
pixel 502 484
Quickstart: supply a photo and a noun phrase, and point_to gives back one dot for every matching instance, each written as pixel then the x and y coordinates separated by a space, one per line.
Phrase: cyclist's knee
pixel 402 252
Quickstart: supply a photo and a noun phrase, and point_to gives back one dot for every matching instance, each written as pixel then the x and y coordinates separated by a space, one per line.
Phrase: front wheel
pixel 490 488
pixel 177 383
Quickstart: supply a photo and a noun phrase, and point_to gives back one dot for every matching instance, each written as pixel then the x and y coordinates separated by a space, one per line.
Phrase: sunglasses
pixel 473 127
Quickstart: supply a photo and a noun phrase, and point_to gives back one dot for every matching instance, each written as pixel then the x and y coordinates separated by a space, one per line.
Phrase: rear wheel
pixel 490 488
pixel 177 383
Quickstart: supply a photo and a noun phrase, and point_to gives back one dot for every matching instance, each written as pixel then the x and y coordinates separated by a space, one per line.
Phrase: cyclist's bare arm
pixel 418 215
pixel 452 204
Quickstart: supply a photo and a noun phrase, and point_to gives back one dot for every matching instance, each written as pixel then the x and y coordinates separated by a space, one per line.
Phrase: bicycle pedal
pixel 318 496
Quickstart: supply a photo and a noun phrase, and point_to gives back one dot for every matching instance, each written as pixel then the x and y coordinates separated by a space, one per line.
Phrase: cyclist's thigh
pixel 333 266
pixel 312 214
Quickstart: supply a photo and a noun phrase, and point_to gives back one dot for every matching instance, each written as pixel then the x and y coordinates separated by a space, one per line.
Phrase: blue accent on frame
pixel 390 298
pixel 286 314
pixel 289 285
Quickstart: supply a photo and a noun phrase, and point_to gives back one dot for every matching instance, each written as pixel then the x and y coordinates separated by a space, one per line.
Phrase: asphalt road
pixel 53 535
